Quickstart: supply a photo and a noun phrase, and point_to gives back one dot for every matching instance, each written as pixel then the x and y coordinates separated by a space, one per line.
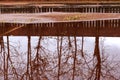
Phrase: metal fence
pixel 80 28
pixel 80 8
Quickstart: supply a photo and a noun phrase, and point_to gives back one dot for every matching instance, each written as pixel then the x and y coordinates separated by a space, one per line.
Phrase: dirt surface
pixel 35 4
pixel 40 5
pixel 56 17
pixel 57 1
pixel 81 16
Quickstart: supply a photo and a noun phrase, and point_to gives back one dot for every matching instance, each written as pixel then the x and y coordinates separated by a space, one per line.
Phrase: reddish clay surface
pixel 56 17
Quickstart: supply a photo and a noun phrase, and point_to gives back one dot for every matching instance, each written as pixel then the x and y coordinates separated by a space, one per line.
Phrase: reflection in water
pixel 43 57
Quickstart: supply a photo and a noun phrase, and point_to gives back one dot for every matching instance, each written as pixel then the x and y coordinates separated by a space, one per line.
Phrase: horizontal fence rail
pixel 67 8
pixel 108 28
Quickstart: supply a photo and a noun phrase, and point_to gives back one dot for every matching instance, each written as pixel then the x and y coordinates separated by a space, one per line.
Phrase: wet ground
pixel 55 17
